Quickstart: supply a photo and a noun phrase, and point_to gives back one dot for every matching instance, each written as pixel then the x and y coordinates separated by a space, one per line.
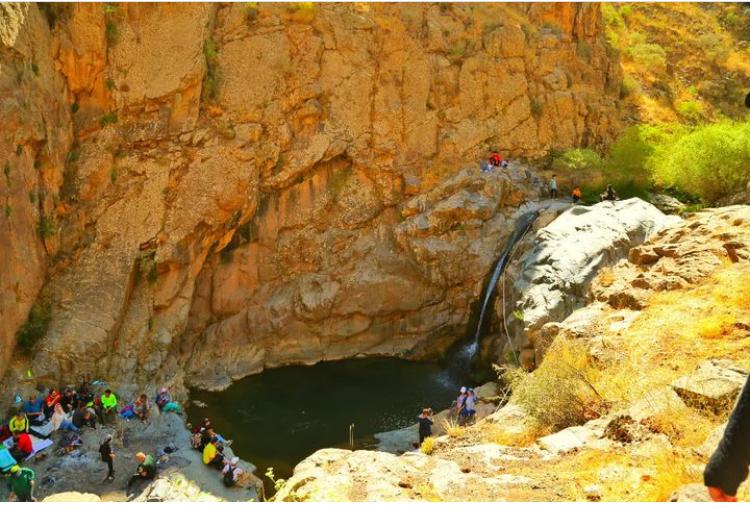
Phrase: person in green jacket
pixel 109 405
pixel 21 484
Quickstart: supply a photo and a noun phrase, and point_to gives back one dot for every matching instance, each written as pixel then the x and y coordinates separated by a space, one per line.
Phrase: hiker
pixel 22 446
pixel 68 400
pixel 60 420
pixel 231 472
pixel 425 424
pixel 141 407
pixel 459 402
pixel 728 466
pixel 163 398
pixel 105 450
pixel 576 194
pixel 495 159
pixel 211 453
pixel 552 186
pixel 33 410
pixel 469 408
pixel 109 405
pixel 609 194
pixel 84 416
pixel 146 468
pixel 52 399
pixel 21 484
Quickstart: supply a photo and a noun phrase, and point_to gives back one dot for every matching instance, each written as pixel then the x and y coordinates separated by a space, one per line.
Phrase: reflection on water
pixel 280 416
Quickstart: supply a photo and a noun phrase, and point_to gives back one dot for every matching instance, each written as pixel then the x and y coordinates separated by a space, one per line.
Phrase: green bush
pixel 710 162
pixel 649 55
pixel 692 111
pixel 109 118
pixel 35 326
pixel 46 227
pixel 111 32
pixel 576 160
pixel 211 81
pixel 714 47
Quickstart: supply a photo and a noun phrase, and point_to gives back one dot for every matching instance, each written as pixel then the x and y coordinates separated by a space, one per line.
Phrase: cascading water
pixel 466 353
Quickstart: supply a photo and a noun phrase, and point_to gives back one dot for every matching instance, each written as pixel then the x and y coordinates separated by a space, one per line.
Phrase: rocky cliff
pixel 211 189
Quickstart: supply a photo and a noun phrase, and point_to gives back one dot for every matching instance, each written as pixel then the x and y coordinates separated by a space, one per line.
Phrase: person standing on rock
pixel 21 484
pixel 105 450
pixel 425 424
pixel 728 466
pixel 552 186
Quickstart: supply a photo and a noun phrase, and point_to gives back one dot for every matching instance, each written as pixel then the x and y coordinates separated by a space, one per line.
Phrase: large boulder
pixel 713 386
pixel 554 276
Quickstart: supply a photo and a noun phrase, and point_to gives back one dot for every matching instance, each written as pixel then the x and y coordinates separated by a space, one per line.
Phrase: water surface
pixel 280 416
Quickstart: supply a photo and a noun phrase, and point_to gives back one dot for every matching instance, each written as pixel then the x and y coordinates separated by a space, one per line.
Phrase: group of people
pixel 212 448
pixel 464 409
pixel 494 161
pixel 70 410
pixel 576 194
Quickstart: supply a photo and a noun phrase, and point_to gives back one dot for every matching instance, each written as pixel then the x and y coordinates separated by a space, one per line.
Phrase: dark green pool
pixel 280 416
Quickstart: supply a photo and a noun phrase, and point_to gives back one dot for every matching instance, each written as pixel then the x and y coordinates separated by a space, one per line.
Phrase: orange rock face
pixel 271 184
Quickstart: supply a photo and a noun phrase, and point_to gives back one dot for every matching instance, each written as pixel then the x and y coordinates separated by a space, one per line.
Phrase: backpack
pixel 229 476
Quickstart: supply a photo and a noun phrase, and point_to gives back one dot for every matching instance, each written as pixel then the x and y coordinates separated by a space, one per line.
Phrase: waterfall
pixel 523 224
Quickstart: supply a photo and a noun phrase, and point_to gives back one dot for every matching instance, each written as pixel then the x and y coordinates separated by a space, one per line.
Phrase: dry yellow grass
pixel 453 429
pixel 428 445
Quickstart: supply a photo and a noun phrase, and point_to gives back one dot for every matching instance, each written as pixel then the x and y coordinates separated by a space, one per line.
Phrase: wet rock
pixel 714 386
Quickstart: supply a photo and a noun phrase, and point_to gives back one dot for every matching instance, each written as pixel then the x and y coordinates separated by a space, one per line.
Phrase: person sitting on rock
pixel 425 424
pixel 728 466
pixel 609 194
pixel 33 410
pixel 212 455
pixel 84 416
pixel 141 407
pixel 495 159
pixel 60 420
pixel 163 398
pixel 146 469
pixel 68 399
pixel 231 472
pixel 109 405
pixel 22 446
pixel 576 194
pixel 52 399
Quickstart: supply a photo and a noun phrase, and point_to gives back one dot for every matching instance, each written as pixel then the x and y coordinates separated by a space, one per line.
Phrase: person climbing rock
pixel 146 469
pixel 109 405
pixel 105 450
pixel 552 186
pixel 728 466
pixel 21 484
pixel 609 194
pixel 425 424
pixel 576 194
pixel 231 472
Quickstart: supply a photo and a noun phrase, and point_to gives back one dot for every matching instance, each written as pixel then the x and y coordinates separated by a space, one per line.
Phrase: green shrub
pixel 6 171
pixel 536 106
pixel 561 391
pixel 583 49
pixel 710 162
pixel 19 150
pixel 714 47
pixel 649 55
pixel 35 68
pixel 8 210
pixel 211 81
pixel 46 227
pixel 109 118
pixel 576 160
pixel 74 108
pixel 36 325
pixel 110 84
pixel 251 13
pixel 629 154
pixel 628 86
pixel 110 32
pixel 113 175
pixel 692 111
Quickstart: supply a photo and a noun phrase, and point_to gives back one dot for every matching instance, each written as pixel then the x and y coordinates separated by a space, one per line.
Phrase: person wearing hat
pixel 231 472
pixel 105 450
pixel 21 484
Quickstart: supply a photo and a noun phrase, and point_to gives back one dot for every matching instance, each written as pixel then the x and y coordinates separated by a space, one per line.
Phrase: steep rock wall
pixel 221 176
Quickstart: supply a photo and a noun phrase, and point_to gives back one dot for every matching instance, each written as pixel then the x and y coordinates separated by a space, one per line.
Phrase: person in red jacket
pixel 22 446
pixel 52 399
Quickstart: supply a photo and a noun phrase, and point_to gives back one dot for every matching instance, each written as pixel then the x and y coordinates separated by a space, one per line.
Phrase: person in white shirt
pixel 231 472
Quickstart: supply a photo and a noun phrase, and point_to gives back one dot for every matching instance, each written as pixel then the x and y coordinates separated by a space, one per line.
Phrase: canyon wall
pixel 199 191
